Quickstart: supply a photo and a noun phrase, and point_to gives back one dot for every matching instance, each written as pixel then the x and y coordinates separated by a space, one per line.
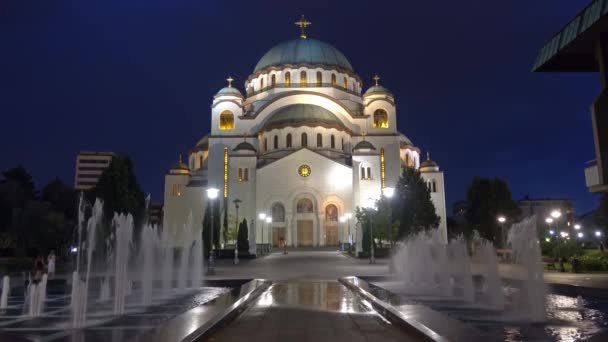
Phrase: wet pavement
pixel 307 310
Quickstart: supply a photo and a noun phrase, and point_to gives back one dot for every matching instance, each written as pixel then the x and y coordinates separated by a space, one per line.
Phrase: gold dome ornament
pixel 303 24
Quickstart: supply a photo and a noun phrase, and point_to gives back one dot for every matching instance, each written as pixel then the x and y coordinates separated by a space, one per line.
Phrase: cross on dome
pixel 376 78
pixel 303 24
pixel 230 79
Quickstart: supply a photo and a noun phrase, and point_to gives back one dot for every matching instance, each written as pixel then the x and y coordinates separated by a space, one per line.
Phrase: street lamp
pixel 577 226
pixel 262 217
pixel 269 221
pixel 556 214
pixel 236 248
pixel 549 220
pixel 388 193
pixel 212 194
pixel 598 233
pixel 501 219
pixel 551 232
pixel 371 206
pixel 580 235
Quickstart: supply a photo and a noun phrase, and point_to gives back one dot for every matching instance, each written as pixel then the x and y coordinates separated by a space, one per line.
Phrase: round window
pixel 304 170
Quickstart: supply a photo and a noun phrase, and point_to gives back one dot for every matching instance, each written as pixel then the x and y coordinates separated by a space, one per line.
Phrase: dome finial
pixel 180 158
pixel 230 79
pixel 376 78
pixel 428 155
pixel 303 24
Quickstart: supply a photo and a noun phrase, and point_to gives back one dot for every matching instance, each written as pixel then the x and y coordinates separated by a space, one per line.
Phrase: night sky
pixel 137 77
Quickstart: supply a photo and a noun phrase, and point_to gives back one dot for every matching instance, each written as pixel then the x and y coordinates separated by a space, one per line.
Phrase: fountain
pixel 35 296
pixel 6 288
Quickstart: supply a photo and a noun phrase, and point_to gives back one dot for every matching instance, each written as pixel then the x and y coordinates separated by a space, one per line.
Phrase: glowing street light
pixel 577 226
pixel 563 234
pixel 551 232
pixel 549 220
pixel 580 235
pixel 556 214
pixel 501 219
pixel 389 192
pixel 598 233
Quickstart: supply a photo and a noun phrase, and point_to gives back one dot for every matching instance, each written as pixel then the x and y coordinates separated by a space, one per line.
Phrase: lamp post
pixel 211 195
pixel 388 193
pixel 372 207
pixel 501 219
pixel 236 240
pixel 262 217
pixel 269 221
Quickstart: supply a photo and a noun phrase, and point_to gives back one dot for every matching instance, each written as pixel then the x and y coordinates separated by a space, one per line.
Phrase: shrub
pixel 593 263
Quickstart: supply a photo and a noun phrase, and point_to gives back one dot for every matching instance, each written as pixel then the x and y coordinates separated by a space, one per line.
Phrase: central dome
pixel 298 51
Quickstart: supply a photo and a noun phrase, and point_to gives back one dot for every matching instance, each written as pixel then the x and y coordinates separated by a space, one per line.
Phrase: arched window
pixel 265 144
pixel 303 81
pixel 192 164
pixel 276 142
pixel 333 80
pixel 288 140
pixel 333 141
pixel 288 79
pixel 342 146
pixel 200 165
pixel 362 172
pixel 319 79
pixel 261 84
pixel 273 80
pixel 305 206
pixel 345 83
pixel 331 213
pixel 319 140
pixel 278 212
pixel 226 120
pixel 304 140
pixel 380 119
pixel 369 173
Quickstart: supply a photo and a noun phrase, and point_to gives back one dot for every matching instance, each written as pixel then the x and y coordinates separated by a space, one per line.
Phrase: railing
pixel 299 85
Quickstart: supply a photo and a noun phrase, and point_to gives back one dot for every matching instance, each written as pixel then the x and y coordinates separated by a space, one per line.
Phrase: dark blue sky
pixel 137 77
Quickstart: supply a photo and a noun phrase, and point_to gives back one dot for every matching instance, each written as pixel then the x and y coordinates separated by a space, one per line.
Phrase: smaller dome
pixel 364 145
pixel 230 91
pixel 244 146
pixel 180 165
pixel 376 89
pixel 429 165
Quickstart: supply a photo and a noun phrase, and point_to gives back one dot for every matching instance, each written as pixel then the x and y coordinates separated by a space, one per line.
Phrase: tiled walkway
pixel 310 311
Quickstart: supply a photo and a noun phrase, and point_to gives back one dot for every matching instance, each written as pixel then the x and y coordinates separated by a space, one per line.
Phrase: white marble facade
pixel 302 145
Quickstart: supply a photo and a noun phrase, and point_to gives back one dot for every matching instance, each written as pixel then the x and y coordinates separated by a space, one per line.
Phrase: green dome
pixel 298 51
pixel 303 115
pixel 229 91
pixel 376 89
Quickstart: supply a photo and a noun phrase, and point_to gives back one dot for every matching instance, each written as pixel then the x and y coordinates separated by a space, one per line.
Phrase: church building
pixel 302 146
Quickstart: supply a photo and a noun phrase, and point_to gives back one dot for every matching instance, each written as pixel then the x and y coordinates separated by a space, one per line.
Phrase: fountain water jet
pixel 124 233
pixel 6 288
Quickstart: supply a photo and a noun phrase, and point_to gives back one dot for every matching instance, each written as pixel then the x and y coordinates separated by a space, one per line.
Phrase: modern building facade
pixel 543 207
pixel 305 145
pixel 89 167
pixel 582 46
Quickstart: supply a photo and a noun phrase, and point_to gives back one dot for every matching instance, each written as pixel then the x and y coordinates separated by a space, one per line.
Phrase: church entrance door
pixel 278 235
pixel 331 237
pixel 305 233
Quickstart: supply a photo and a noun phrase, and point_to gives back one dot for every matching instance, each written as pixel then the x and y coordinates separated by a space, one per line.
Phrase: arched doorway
pixel 331 225
pixel 305 211
pixel 278 224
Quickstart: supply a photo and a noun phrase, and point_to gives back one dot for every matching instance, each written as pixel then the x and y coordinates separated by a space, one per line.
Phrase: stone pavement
pixel 310 311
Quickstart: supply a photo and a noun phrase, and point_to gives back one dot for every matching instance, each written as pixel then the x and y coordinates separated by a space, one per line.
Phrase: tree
pixel 487 198
pixel 16 190
pixel 243 237
pixel 119 190
pixel 364 217
pixel 412 204
pixel 61 197
pixel 600 218
pixel 207 227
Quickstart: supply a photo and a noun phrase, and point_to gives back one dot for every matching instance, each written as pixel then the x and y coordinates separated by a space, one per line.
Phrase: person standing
pixel 51 264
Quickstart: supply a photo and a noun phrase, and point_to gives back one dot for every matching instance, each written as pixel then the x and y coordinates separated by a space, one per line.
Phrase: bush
pixel 594 262
pixel 242 241
pixel 566 249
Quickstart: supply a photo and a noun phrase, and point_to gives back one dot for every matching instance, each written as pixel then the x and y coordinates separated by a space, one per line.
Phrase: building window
pixel 288 79
pixel 288 140
pixel 226 120
pixel 192 164
pixel 276 142
pixel 243 175
pixel 342 144
pixel 200 163
pixel 278 212
pixel 261 84
pixel 362 172
pixel 333 141
pixel 380 119
pixel 319 140
pixel 331 213
pixel 432 185
pixel 303 81
pixel 273 80
pixel 345 83
pixel 319 79
pixel 265 144
pixel 369 173
pixel 333 80
pixel 176 190
pixel 304 140
pixel 305 206
pixel 240 175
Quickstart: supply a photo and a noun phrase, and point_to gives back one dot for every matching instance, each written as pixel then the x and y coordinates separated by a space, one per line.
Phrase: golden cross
pixel 376 78
pixel 428 155
pixel 230 79
pixel 303 23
